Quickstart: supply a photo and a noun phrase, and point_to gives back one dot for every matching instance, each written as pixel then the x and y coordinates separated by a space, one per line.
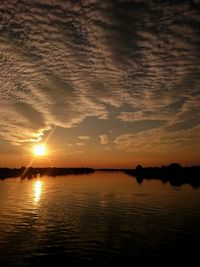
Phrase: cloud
pixel 84 137
pixel 17 126
pixel 159 140
pixel 62 63
pixel 104 139
pixel 80 144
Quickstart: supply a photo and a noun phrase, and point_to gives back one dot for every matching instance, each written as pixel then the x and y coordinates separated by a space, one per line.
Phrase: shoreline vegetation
pixel 31 172
pixel 174 173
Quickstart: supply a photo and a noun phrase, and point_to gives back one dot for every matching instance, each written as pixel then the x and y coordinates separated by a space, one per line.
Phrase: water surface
pixel 99 218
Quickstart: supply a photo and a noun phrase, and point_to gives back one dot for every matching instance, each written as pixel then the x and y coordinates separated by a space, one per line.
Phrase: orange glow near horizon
pixel 56 154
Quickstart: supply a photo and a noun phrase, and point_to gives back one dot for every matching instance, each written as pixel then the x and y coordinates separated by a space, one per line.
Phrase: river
pixel 100 218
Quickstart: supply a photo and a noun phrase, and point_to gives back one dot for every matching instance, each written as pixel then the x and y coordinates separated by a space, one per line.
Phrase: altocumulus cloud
pixel 84 137
pixel 80 144
pixel 64 61
pixel 156 140
pixel 104 139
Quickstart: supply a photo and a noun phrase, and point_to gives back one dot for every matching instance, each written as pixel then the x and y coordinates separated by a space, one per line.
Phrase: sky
pixel 102 83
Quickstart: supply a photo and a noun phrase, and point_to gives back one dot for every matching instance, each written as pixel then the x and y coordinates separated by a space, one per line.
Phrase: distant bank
pixel 34 172
pixel 174 173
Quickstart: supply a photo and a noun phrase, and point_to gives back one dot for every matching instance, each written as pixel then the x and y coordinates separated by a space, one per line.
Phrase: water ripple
pixel 98 219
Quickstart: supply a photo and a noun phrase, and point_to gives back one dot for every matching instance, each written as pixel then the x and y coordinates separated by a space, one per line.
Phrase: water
pixel 96 219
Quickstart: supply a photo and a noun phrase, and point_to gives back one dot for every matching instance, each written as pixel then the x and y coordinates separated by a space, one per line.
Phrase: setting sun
pixel 39 150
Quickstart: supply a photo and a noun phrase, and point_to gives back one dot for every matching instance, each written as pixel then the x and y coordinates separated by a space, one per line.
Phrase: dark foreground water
pixel 96 219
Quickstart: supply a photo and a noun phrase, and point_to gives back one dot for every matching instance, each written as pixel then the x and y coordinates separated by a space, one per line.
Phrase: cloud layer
pixel 64 61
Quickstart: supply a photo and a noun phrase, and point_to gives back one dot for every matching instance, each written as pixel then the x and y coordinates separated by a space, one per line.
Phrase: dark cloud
pixel 64 61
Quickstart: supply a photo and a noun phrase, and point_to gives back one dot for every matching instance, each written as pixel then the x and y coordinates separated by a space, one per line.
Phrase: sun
pixel 39 150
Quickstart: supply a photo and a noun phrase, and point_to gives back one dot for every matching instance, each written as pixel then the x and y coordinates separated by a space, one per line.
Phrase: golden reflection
pixel 37 191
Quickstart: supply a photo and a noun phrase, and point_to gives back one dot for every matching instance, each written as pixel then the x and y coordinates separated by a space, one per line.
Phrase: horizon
pixel 100 168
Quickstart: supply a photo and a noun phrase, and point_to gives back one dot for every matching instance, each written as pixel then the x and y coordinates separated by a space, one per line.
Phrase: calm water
pixel 99 218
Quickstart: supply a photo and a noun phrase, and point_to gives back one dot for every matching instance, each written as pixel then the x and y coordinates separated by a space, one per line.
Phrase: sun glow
pixel 39 150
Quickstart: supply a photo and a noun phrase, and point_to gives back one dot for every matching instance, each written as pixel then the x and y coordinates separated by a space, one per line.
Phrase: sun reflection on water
pixel 37 191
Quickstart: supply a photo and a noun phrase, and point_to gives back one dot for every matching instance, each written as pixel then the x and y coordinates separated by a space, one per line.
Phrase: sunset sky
pixel 102 83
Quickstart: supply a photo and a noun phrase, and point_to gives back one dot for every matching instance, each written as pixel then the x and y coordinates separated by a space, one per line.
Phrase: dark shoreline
pixel 34 172
pixel 174 173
